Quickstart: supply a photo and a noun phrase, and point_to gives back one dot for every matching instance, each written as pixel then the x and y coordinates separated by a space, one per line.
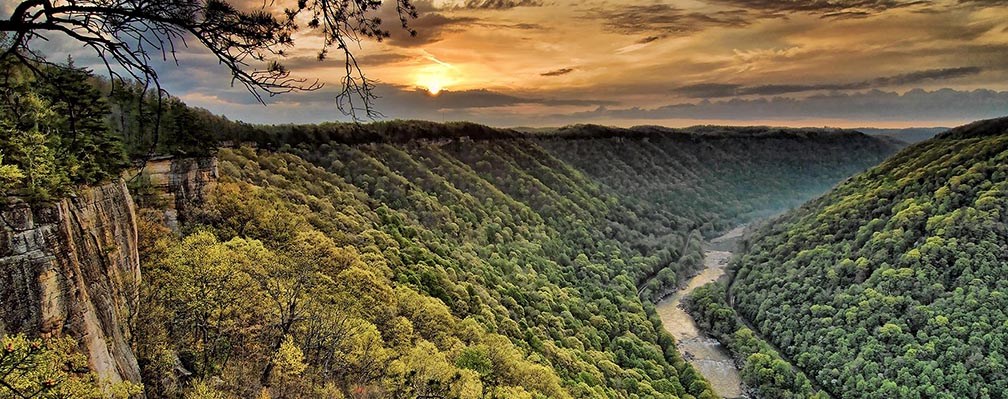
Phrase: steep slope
pixel 459 244
pixel 72 268
pixel 892 285
pixel 718 177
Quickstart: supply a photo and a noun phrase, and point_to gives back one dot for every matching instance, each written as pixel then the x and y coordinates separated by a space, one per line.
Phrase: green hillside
pixel 408 259
pixel 518 264
pixel 892 285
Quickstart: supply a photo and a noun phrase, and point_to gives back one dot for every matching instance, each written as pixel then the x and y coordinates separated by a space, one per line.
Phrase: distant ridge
pixel 984 128
pixel 909 135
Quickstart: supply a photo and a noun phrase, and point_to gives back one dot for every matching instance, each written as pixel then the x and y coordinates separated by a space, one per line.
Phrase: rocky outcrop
pixel 72 268
pixel 177 185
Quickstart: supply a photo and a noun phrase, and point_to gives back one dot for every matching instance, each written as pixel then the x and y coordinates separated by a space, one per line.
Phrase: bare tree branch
pixel 127 34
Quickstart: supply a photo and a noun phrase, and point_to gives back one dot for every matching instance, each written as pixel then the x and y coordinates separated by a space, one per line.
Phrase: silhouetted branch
pixel 126 34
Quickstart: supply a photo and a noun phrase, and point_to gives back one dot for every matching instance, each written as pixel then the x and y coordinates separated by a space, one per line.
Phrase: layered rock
pixel 177 185
pixel 72 268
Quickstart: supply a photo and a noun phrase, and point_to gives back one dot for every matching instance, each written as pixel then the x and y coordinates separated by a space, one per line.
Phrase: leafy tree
pixel 43 177
pixel 891 284
pixel 85 137
pixel 51 368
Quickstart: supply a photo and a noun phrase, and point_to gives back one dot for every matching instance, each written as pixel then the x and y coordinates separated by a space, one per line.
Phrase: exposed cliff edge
pixel 177 185
pixel 72 268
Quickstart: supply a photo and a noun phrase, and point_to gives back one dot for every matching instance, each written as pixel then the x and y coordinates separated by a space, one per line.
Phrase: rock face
pixel 72 268
pixel 177 185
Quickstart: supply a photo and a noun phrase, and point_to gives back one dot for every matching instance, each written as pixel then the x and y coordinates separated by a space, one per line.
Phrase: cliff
pixel 72 268
pixel 176 185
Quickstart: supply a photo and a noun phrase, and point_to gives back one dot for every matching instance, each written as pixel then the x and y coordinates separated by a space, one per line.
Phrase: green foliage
pixel 891 285
pixel 149 125
pixel 54 133
pixel 764 371
pixel 32 152
pixel 71 128
pixel 10 176
pixel 454 268
pixel 92 152
pixel 51 368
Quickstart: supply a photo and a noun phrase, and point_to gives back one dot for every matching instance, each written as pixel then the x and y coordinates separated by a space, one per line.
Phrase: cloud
pixel 481 98
pixel 661 20
pixel 558 72
pixel 650 39
pixel 500 4
pixel 430 27
pixel 872 105
pixel 930 74
pixel 984 3
pixel 382 58
pixel 825 8
pixel 708 90
pixel 719 90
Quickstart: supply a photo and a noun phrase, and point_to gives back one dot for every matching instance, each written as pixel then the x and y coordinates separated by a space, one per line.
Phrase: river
pixel 703 352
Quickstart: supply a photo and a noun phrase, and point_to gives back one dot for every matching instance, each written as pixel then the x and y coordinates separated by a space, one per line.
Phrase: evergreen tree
pixel 84 133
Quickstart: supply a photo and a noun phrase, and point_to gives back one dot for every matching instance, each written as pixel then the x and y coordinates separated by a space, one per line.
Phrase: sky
pixel 842 63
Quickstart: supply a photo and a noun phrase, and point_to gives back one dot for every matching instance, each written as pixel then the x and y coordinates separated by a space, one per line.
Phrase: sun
pixel 432 83
pixel 435 78
pixel 434 88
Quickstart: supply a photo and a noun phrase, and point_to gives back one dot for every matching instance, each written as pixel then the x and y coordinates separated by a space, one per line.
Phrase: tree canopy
pixel 892 285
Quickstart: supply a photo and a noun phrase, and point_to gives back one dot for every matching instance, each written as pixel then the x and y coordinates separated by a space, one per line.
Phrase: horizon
pixel 892 64
pixel 684 126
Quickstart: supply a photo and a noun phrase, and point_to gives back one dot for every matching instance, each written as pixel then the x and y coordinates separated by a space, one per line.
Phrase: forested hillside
pixel 892 285
pixel 517 272
pixel 717 177
pixel 403 259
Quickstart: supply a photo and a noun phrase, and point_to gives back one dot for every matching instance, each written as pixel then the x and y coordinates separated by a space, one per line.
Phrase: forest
pixel 892 285
pixel 498 238
pixel 407 259
pixel 764 370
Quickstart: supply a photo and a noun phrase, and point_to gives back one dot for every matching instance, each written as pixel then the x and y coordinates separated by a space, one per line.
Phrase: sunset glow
pixel 628 62
pixel 433 84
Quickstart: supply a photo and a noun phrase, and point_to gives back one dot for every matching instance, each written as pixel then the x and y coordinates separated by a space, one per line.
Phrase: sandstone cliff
pixel 177 185
pixel 72 268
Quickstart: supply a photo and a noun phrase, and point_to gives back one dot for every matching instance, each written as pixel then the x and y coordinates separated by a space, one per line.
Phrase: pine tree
pixel 85 136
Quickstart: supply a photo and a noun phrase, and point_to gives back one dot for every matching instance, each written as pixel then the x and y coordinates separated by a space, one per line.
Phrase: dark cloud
pixel 985 3
pixel 873 105
pixel 434 22
pixel 501 4
pixel 823 8
pixel 719 90
pixel 708 90
pixel 650 39
pixel 382 59
pixel 661 20
pixel 430 27
pixel 558 72
pixel 931 74
pixel 302 63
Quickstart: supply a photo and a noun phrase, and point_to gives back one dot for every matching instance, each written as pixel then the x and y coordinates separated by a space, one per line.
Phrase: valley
pixel 524 266
pixel 705 353
pixel 628 199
